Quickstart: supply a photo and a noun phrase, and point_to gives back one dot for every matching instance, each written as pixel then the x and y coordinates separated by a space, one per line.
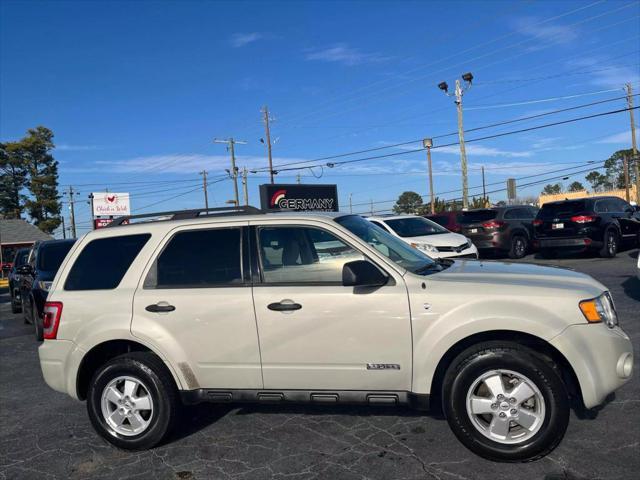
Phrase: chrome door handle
pixel 284 306
pixel 160 307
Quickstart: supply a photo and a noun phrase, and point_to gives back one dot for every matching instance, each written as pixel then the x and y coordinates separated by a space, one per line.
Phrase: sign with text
pixel 108 204
pixel 297 197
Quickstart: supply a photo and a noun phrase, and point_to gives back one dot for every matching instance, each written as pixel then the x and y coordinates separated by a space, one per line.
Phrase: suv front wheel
pixel 505 402
pixel 132 401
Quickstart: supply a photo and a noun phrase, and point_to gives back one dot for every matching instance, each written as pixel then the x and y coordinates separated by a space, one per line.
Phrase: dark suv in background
pixel 37 274
pixel 500 230
pixel 596 223
pixel 448 220
pixel 15 278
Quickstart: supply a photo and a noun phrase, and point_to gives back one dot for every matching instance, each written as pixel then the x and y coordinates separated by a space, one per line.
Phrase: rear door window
pixel 104 261
pixel 199 259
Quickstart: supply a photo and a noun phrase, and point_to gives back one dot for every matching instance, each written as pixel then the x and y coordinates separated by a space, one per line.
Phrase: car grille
pixel 457 249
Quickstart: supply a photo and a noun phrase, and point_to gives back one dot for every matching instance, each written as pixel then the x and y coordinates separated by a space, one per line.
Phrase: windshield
pixel 396 250
pixel 415 227
pixel 50 256
pixel 21 258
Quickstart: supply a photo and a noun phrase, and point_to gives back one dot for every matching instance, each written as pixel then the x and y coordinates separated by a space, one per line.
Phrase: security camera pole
pixel 459 92
pixel 233 173
pixel 428 143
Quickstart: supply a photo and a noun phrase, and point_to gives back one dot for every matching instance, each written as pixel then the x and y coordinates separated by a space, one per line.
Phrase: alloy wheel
pixel 505 406
pixel 127 406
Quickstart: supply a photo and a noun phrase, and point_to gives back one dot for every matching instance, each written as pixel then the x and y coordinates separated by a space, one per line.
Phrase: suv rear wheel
pixel 519 246
pixel 610 246
pixel 132 401
pixel 505 403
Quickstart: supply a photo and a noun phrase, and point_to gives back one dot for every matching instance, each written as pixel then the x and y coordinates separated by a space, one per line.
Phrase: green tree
pixel 479 202
pixel 13 179
pixel 43 204
pixel 598 181
pixel 552 189
pixel 576 187
pixel 409 202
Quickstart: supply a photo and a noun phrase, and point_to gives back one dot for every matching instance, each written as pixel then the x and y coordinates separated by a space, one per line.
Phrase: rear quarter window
pixel 103 262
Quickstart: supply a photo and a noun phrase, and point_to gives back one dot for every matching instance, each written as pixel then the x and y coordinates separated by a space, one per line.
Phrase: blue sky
pixel 136 91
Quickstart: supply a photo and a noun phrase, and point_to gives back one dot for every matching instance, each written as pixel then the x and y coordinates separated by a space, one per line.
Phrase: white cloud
pixel 239 40
pixel 344 54
pixel 188 163
pixel 545 34
pixel 620 138
pixel 75 148
pixel 605 74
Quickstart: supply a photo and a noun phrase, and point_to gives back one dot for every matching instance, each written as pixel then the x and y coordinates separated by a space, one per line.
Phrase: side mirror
pixel 24 269
pixel 361 273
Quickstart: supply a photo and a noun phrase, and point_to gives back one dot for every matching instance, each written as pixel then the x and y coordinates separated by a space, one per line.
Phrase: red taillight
pixel 583 218
pixel 537 222
pixel 493 224
pixel 51 319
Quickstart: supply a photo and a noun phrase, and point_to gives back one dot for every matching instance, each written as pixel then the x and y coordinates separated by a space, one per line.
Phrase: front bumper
pixel 601 357
pixel 471 252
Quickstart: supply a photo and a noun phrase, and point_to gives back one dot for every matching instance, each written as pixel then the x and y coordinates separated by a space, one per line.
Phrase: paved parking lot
pixel 44 434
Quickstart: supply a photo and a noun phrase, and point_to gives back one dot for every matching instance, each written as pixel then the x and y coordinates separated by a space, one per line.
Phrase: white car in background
pixel 427 236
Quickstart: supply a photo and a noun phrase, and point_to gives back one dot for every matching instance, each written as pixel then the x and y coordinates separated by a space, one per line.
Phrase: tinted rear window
pixel 440 219
pixel 50 256
pixel 475 216
pixel 103 262
pixel 200 258
pixel 561 209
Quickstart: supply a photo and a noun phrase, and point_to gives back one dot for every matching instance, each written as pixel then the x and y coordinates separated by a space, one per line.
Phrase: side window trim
pixel 150 279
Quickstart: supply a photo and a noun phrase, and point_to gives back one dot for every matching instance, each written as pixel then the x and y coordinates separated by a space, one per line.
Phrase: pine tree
pixel 13 179
pixel 44 203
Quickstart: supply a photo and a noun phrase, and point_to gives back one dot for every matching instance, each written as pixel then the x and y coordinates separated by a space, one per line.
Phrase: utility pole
pixel 459 92
pixel 428 143
pixel 266 119
pixel 484 189
pixel 204 187
pixel 298 179
pixel 351 203
pixel 245 189
pixel 634 145
pixel 233 173
pixel 64 229
pixel 625 164
pixel 93 219
pixel 371 200
pixel 72 212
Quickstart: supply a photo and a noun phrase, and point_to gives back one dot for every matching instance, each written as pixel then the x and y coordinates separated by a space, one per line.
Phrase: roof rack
pixel 185 214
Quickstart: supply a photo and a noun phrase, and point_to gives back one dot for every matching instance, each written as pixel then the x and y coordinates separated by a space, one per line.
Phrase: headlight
pixel 600 309
pixel 425 247
pixel 44 285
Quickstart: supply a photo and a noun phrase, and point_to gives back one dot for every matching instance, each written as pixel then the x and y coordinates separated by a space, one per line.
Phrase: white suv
pixel 426 235
pixel 241 306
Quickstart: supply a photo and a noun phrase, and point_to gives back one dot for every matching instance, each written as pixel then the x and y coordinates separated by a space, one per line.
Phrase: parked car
pixel 423 234
pixel 603 224
pixel 37 274
pixel 241 306
pixel 500 229
pixel 448 220
pixel 15 278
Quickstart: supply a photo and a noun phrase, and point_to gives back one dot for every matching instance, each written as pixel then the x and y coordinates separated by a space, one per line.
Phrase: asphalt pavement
pixel 47 435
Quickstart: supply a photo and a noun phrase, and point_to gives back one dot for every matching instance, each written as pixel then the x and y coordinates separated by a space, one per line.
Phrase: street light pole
pixel 428 143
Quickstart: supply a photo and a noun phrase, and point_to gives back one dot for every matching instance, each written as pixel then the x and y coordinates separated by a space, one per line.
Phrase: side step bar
pixel 318 397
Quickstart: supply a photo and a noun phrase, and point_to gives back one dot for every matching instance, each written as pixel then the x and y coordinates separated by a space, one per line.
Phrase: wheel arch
pixel 101 353
pixel 537 344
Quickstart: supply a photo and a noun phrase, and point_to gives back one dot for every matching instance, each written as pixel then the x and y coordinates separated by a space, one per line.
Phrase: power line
pixel 180 194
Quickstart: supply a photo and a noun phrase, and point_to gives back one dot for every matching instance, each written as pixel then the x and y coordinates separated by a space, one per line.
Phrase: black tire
pixel 38 327
pixel 610 244
pixel 15 308
pixel 485 357
pixel 149 369
pixel 25 317
pixel 519 246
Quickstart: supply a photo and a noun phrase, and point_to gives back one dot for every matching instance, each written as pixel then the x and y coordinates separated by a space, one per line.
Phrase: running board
pixel 418 401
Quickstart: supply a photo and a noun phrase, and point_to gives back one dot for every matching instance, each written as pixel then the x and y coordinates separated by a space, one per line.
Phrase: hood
pixel 523 275
pixel 439 239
